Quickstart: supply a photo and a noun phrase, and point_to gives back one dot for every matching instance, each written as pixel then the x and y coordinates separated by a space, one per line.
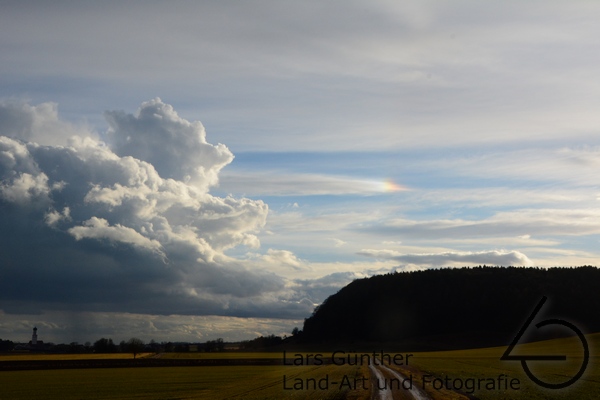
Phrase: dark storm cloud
pixel 90 226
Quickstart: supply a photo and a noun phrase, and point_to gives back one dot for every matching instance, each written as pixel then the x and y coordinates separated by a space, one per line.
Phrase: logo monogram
pixel 525 358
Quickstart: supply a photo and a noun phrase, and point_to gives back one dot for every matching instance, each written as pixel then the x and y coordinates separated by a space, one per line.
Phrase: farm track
pixel 382 374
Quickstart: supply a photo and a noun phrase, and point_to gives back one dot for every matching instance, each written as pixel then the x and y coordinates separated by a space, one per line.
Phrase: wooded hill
pixel 456 307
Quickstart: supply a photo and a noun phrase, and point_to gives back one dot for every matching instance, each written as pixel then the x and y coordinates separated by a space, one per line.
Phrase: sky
pixel 188 170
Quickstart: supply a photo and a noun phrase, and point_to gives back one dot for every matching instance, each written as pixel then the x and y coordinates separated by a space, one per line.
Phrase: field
pixel 241 382
pixel 87 356
pixel 324 381
pixel 486 363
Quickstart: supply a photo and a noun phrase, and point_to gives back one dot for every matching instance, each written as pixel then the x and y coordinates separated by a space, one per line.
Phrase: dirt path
pixel 387 385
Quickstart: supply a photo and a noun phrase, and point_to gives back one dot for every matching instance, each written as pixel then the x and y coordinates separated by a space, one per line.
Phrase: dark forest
pixel 456 308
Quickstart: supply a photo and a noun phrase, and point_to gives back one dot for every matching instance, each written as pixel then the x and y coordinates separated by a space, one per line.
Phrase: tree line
pixel 454 307
pixel 6 345
pixel 133 345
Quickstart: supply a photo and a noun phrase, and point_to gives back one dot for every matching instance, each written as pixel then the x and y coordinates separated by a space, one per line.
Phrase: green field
pixel 469 367
pixel 224 355
pixel 266 382
pixel 85 356
pixel 242 382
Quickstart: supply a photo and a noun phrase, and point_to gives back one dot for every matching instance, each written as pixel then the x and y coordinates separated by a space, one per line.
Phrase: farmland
pixel 85 356
pixel 243 382
pixel 266 378
pixel 485 364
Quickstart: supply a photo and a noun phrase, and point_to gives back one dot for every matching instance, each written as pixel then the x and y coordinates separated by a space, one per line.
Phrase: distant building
pixel 34 336
pixel 34 343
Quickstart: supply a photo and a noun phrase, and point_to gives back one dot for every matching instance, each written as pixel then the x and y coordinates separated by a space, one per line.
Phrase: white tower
pixel 34 336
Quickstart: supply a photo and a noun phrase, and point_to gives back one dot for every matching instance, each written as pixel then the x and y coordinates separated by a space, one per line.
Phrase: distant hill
pixel 456 307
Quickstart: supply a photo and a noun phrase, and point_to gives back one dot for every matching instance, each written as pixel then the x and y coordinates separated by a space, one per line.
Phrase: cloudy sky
pixel 193 170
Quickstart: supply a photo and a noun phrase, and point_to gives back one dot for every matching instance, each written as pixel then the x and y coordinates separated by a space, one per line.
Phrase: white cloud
pixel 22 180
pixel 23 187
pixel 38 124
pixel 494 257
pixel 175 147
pixel 98 228
pixel 280 260
pixel 53 217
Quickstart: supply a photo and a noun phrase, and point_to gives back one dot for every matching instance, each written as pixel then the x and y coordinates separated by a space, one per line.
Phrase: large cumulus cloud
pixel 125 224
pixel 175 147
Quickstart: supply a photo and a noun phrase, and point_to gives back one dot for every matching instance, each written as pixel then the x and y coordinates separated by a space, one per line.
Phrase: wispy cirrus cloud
pixel 567 166
pixel 540 222
pixel 284 183
pixel 442 75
